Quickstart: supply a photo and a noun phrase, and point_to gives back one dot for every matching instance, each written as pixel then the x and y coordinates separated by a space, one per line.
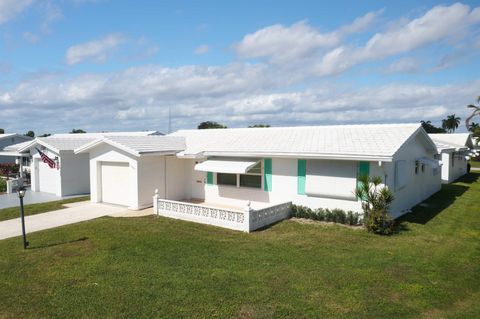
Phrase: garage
pixel 126 170
pixel 115 182
pixel 48 177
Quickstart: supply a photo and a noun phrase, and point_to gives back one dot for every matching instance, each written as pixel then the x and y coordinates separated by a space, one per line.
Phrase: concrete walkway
pixel 76 212
pixel 11 200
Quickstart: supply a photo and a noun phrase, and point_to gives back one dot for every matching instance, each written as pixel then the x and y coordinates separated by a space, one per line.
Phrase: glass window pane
pixel 257 169
pixel 226 179
pixel 251 181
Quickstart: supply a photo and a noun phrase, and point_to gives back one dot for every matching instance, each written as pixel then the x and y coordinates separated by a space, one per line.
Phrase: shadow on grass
pixel 60 243
pixel 435 204
pixel 470 178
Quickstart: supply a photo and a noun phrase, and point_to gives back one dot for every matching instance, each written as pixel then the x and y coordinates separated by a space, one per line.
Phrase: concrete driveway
pixel 76 212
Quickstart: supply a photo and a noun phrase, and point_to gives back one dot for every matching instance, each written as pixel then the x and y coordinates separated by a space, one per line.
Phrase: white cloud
pixel 281 44
pixel 403 65
pixel 235 94
pixel 9 9
pixel 96 51
pixel 438 24
pixel 202 49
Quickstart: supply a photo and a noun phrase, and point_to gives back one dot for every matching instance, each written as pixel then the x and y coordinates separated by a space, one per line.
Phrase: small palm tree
pixel 376 200
pixel 475 111
pixel 451 123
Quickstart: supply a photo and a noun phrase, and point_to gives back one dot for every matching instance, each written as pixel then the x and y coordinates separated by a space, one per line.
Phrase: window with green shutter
pixel 301 175
pixel 209 178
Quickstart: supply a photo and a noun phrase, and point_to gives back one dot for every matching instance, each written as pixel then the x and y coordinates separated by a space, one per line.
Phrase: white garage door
pixel 116 183
pixel 47 178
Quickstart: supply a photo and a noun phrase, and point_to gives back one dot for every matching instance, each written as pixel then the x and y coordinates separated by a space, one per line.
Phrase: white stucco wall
pixel 50 179
pixel 150 177
pixel 284 188
pixel 451 173
pixel 75 176
pixel 418 186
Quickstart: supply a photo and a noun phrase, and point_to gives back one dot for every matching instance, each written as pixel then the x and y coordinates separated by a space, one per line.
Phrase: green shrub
pixel 327 215
pixel 3 185
pixel 376 202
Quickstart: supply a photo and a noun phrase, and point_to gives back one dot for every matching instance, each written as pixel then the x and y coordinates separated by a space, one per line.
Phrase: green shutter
pixel 268 174
pixel 363 169
pixel 209 178
pixel 301 173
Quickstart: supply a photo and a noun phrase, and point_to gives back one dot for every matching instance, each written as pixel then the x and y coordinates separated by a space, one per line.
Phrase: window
pixel 253 178
pixel 423 168
pixel 417 165
pixel 331 179
pixel 226 179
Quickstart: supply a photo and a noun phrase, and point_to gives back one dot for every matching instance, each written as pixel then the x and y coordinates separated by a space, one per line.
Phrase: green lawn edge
pixel 33 209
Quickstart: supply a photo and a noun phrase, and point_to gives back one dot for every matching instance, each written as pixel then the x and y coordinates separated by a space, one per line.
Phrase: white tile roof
pixel 102 134
pixel 7 135
pixel 16 147
pixel 139 145
pixel 455 140
pixel 70 142
pixel 64 143
pixel 349 141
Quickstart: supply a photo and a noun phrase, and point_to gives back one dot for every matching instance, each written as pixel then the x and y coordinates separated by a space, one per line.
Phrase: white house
pixel 71 176
pixel 9 155
pixel 225 176
pixel 454 152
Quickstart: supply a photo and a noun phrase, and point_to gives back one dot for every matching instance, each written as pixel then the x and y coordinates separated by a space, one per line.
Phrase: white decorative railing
pixel 247 221
pixel 269 215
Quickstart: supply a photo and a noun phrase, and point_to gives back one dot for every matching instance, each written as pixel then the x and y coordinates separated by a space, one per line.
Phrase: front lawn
pixel 475 163
pixel 159 267
pixel 33 209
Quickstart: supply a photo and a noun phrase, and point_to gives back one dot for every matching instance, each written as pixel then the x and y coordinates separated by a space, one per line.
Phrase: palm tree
pixel 476 111
pixel 473 126
pixel 451 123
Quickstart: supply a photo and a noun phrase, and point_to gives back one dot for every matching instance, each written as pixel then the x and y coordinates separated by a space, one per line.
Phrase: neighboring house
pixel 234 170
pixel 454 151
pixel 6 140
pixel 71 175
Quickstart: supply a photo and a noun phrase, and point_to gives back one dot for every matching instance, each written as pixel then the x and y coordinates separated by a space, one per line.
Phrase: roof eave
pixel 351 157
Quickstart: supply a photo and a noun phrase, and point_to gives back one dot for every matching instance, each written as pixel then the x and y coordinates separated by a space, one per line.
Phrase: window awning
pixel 226 166
pixel 430 162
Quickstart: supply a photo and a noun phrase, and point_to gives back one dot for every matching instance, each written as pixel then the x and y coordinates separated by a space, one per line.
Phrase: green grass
pixel 475 163
pixel 33 209
pixel 159 267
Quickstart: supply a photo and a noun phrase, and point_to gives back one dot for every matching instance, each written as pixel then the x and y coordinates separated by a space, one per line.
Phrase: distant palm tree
pixel 476 111
pixel 451 123
pixel 473 126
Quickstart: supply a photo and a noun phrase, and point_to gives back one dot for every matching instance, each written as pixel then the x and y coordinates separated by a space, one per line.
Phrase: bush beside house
pixel 326 215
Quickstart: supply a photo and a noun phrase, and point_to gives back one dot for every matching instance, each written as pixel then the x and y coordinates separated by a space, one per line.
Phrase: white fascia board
pixel 39 142
pixel 346 157
pixel 87 147
pixel 155 153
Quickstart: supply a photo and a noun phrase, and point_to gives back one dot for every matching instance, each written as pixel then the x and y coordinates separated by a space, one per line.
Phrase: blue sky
pixel 107 65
